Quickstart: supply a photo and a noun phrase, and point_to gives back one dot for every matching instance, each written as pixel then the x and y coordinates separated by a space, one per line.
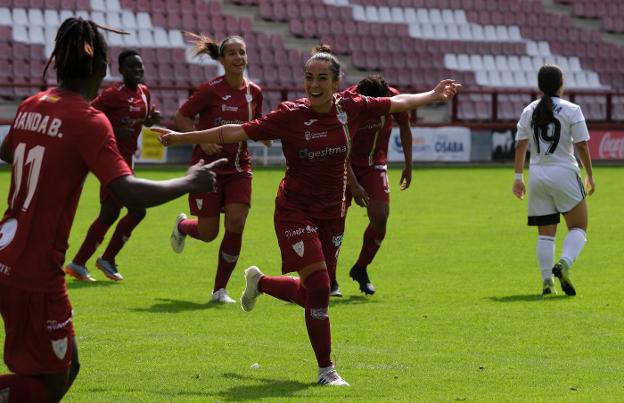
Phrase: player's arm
pixel 405 132
pixel 5 152
pixel 226 134
pixel 136 192
pixel 519 189
pixel 582 150
pixel 186 124
pixel 444 91
pixel 357 191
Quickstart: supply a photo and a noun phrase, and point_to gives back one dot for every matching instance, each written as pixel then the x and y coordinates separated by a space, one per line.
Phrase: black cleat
pixel 361 276
pixel 334 289
pixel 563 274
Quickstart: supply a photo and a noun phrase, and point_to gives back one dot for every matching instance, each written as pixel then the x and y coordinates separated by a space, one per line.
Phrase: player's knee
pixel 138 214
pixel 236 224
pixel 74 369
pixel 109 216
pixel 379 221
pixel 317 290
pixel 208 234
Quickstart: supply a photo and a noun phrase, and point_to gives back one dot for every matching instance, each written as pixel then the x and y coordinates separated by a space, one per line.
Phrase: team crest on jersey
pixel 249 98
pixel 299 248
pixel 199 203
pixel 50 98
pixel 337 240
pixel 342 117
pixel 60 347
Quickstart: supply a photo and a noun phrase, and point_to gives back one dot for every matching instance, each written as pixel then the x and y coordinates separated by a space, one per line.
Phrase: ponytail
pixel 550 80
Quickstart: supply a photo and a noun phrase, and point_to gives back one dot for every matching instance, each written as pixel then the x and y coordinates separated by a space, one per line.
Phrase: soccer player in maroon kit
pixel 55 140
pixel 228 99
pixel 128 107
pixel 316 134
pixel 369 186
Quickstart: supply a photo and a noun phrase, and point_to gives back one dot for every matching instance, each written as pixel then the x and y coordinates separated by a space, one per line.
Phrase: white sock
pixel 573 245
pixel 546 255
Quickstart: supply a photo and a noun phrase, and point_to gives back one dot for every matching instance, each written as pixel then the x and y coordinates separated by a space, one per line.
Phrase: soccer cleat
pixel 329 376
pixel 251 292
pixel 177 238
pixel 563 274
pixel 548 287
pixel 80 273
pixel 222 297
pixel 361 276
pixel 109 269
pixel 334 289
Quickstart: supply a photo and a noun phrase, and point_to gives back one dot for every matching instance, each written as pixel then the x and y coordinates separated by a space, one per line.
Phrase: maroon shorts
pixel 38 329
pixel 304 240
pixel 106 195
pixel 230 189
pixel 374 179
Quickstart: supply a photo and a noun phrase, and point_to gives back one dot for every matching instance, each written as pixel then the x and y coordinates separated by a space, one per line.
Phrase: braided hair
pixel 549 80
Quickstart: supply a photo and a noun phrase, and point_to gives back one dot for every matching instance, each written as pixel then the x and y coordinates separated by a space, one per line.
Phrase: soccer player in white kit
pixel 554 128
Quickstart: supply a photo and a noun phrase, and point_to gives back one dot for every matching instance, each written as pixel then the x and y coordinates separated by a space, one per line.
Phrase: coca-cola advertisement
pixel 607 145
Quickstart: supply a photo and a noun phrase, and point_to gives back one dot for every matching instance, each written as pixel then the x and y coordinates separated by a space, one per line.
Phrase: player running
pixel 554 128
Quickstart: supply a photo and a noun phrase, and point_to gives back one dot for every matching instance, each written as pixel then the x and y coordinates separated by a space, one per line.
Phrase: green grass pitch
pixel 458 313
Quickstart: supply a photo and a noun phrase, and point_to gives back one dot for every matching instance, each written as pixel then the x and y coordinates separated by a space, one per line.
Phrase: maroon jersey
pixel 217 104
pixel 370 145
pixel 125 107
pixel 316 147
pixel 55 140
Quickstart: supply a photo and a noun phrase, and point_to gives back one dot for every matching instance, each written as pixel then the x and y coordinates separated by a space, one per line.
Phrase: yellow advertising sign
pixel 150 149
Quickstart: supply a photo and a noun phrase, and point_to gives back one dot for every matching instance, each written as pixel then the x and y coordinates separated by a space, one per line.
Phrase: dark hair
pixel 323 52
pixel 125 54
pixel 373 86
pixel 549 80
pixel 203 44
pixel 78 48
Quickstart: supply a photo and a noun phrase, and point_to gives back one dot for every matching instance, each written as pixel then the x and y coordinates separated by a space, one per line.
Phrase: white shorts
pixel 553 190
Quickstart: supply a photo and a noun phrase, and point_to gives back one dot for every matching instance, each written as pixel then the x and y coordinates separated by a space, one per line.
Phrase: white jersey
pixel 556 146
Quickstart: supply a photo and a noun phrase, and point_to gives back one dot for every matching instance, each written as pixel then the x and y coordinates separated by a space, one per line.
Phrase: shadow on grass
pixel 528 298
pixel 352 299
pixel 266 388
pixel 174 305
pixel 75 284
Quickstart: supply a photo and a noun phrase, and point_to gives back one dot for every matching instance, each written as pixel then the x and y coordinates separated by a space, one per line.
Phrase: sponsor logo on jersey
pixel 376 125
pixel 4 269
pixel 309 122
pixel 307 154
pixel 38 123
pixel 134 108
pixel 225 108
pixel 337 240
pixel 219 121
pixel 226 97
pixel 308 229
pixel 199 203
pixel 299 248
pixel 60 347
pixel 313 136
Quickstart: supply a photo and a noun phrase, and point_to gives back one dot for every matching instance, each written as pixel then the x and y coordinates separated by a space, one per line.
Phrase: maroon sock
pixel 228 256
pixel 94 238
pixel 370 246
pixel 22 388
pixel 286 288
pixel 120 236
pixel 317 316
pixel 189 227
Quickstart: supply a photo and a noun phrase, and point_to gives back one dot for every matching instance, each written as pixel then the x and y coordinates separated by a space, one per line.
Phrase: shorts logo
pixel 199 203
pixel 337 240
pixel 310 122
pixel 308 229
pixel 60 347
pixel 298 248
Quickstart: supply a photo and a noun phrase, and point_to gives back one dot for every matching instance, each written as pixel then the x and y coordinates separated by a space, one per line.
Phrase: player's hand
pixel 167 137
pixel 406 178
pixel 590 186
pixel 211 149
pixel 202 176
pixel 359 195
pixel 267 143
pixel 154 118
pixel 445 90
pixel 519 189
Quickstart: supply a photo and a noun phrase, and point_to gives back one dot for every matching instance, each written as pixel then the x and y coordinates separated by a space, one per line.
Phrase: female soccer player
pixel 554 127
pixel 55 140
pixel 316 134
pixel 228 99
pixel 369 184
pixel 128 107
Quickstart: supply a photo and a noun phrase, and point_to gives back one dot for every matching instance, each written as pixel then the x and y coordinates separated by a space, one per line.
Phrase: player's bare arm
pixel 444 91
pixel 519 188
pixel 185 124
pixel 405 133
pixel 226 134
pixel 582 150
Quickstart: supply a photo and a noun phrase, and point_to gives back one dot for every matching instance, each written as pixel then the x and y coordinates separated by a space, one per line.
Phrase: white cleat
pixel 177 238
pixel 329 376
pixel 251 293
pixel 221 296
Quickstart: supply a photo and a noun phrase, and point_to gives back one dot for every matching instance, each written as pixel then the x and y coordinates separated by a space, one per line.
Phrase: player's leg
pixel 546 256
pixel 330 234
pixel 109 212
pixel 122 234
pixel 207 208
